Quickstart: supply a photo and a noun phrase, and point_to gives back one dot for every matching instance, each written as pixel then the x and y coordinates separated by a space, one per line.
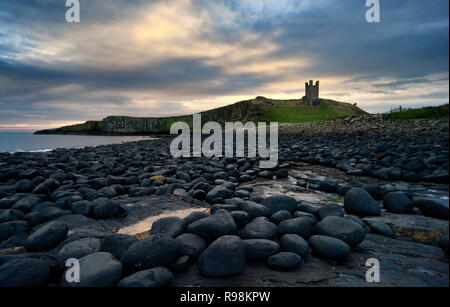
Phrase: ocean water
pixel 27 141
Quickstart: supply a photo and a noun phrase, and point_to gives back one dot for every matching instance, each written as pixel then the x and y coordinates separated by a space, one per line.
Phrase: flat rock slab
pixel 415 227
pixel 143 211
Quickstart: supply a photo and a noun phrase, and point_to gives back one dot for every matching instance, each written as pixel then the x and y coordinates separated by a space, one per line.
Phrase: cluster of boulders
pixel 43 195
pixel 277 230
pixel 386 157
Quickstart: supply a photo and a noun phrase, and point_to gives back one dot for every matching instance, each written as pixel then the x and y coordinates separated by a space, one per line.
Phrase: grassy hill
pixel 426 112
pixel 260 109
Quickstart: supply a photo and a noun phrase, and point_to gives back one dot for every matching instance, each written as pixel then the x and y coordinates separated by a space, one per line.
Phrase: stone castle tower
pixel 311 91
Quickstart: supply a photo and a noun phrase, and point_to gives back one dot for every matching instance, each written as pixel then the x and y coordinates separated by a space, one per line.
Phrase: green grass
pixel 302 114
pixel 334 200
pixel 422 113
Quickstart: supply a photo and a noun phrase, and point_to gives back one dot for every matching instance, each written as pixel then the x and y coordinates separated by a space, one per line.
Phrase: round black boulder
pixel 329 210
pixel 260 249
pixel 280 216
pixel 170 226
pixel 254 209
pixel 190 244
pixel 117 244
pixel 195 216
pixel 284 261
pixel 151 252
pixel 258 230
pixel 224 257
pixel 96 270
pixel 433 207
pixel 382 229
pixel 329 247
pixel 338 227
pixel 79 248
pixel 280 202
pixel 25 272
pixel 397 202
pixel 295 244
pixel 219 224
pixel 46 237
pixel 359 202
pixel 303 226
pixel 156 277
pixel 241 218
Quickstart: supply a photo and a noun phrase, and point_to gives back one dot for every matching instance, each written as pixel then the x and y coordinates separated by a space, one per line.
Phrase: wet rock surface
pixel 137 217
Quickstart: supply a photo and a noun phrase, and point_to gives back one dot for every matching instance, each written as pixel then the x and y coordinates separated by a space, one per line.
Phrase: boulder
pixel 25 272
pixel 8 229
pixel 254 209
pixel 282 173
pixel 83 207
pixel 96 270
pixel 180 264
pixel 359 202
pixel 307 208
pixel 258 230
pixel 218 194
pixel 284 261
pixel 374 190
pixel 302 226
pixel 433 207
pixel 105 210
pixel 329 247
pixel 151 252
pixel 241 218
pixel 329 210
pixel 190 245
pixel 381 228
pixel 280 202
pixel 195 216
pixel 224 257
pixel 295 244
pixel 280 216
pixel 341 228
pixel 117 244
pixel 46 237
pixel 169 226
pixel 26 204
pixel 397 202
pixel 10 215
pixel 260 249
pixel 210 228
pixel 228 207
pixel 156 277
pixel 79 248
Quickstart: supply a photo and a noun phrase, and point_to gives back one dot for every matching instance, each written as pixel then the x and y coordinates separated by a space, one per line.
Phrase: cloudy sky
pixel 172 57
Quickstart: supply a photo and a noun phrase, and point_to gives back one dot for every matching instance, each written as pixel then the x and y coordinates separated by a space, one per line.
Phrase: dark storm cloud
pixel 189 74
pixel 402 83
pixel 409 45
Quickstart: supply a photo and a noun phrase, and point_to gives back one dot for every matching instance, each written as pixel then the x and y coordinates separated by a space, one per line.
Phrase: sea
pixel 29 142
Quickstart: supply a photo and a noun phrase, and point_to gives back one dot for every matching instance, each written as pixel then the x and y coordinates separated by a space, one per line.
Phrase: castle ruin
pixel 311 91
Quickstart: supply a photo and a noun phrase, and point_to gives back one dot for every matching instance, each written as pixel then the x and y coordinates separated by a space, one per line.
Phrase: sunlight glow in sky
pixel 173 57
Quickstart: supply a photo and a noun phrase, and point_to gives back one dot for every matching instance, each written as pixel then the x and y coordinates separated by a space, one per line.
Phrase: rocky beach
pixel 344 191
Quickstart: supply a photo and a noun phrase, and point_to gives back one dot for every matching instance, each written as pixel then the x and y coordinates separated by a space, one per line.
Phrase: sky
pixel 174 57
